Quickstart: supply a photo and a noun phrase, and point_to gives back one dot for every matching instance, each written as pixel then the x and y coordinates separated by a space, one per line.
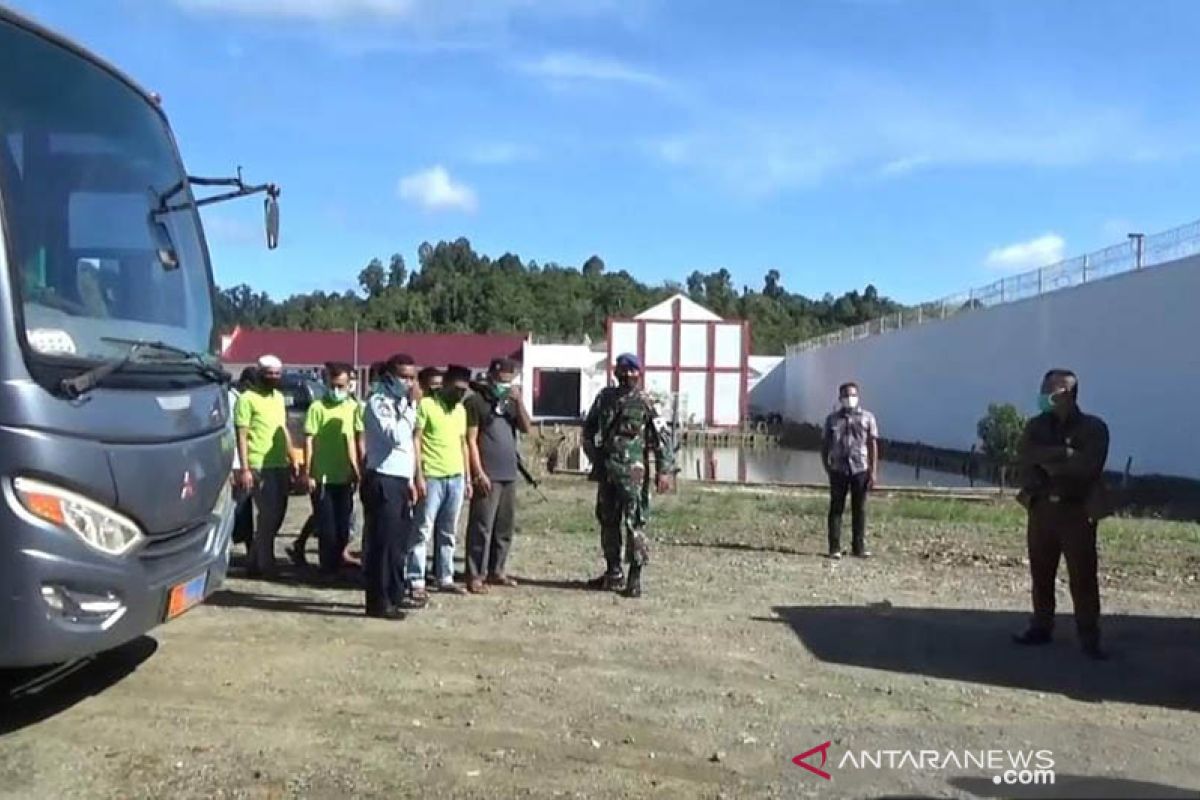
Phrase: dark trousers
pixel 1063 529
pixel 621 510
pixel 387 536
pixel 243 522
pixel 271 488
pixel 333 506
pixel 490 529
pixel 841 484
pixel 366 514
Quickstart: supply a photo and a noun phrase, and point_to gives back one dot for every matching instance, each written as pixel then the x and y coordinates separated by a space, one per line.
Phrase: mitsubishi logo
pixel 188 490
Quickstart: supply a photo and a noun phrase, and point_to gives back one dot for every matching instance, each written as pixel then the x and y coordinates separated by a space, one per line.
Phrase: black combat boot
pixel 613 580
pixel 633 586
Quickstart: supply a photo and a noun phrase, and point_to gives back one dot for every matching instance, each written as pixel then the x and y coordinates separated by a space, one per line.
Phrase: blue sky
pixel 922 146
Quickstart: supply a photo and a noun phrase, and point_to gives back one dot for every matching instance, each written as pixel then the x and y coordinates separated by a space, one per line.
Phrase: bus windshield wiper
pixel 87 381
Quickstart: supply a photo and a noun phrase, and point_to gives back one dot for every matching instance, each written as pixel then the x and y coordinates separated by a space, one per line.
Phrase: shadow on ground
pixel 547 583
pixel 1076 786
pixel 743 547
pixel 227 598
pixel 1154 660
pixel 30 696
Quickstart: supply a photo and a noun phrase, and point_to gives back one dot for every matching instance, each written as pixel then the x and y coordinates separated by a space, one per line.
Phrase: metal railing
pixel 1140 252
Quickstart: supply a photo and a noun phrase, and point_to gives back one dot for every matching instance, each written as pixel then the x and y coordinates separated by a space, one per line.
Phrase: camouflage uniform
pixel 621 431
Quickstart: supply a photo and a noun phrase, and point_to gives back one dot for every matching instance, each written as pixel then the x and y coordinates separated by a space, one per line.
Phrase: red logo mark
pixel 189 487
pixel 822 749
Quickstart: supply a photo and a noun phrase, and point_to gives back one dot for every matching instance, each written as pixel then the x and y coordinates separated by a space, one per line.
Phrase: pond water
pixel 783 465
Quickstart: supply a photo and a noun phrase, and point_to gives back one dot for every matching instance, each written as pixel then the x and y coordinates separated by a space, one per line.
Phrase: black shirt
pixel 1063 458
pixel 497 440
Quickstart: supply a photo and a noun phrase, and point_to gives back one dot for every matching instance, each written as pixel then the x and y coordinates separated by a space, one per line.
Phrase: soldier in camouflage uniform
pixel 621 432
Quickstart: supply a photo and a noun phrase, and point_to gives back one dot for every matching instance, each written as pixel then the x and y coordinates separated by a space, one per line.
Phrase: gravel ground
pixel 747 650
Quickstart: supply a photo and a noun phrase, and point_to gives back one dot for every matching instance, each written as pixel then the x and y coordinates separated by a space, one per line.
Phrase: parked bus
pixel 115 441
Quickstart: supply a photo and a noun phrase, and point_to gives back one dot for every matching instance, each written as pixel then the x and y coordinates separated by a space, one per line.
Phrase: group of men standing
pixel 421 446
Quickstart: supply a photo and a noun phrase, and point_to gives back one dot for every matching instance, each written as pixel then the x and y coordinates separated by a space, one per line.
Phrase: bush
pixel 1000 432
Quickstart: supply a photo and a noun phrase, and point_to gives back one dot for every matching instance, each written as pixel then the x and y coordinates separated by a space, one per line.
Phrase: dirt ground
pixel 748 649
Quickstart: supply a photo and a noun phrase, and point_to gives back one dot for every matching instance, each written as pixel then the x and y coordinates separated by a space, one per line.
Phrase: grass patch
pixel 938 529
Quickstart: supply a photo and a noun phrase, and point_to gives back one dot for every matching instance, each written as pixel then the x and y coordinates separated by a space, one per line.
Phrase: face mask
pixel 627 381
pixel 502 390
pixel 1045 403
pixel 850 403
pixel 453 395
pixel 397 388
pixel 271 384
pixel 339 395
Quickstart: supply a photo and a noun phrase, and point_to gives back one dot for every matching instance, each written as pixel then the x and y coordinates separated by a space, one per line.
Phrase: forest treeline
pixel 455 289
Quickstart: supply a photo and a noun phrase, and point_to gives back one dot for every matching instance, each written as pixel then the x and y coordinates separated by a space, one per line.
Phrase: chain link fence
pixel 1138 253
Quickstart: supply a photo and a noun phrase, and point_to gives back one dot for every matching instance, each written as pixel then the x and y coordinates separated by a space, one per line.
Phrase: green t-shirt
pixel 442 434
pixel 333 427
pixel 265 419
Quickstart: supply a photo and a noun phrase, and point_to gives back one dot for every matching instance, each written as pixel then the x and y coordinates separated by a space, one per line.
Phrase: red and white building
pixel 697 361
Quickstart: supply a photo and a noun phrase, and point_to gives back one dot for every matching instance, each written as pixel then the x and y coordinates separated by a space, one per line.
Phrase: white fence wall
pixel 1133 339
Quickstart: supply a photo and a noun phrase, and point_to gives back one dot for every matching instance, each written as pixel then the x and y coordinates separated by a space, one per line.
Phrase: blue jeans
pixel 439 522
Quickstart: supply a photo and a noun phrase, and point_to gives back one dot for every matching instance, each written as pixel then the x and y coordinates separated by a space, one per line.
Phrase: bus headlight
pixel 100 528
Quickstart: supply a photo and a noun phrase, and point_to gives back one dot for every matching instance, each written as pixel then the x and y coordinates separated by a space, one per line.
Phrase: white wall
pixel 768 393
pixel 1133 339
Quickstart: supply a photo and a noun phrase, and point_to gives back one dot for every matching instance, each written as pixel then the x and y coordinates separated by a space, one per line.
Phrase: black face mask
pixel 270 384
pixel 453 395
pixel 626 381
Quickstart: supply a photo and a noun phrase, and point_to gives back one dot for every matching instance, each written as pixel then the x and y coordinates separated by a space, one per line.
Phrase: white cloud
pixel 780 135
pixel 423 25
pixel 903 166
pixel 574 67
pixel 500 153
pixel 434 190
pixel 1039 252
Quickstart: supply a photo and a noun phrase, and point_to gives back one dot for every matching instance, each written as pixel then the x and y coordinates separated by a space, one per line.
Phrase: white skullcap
pixel 270 362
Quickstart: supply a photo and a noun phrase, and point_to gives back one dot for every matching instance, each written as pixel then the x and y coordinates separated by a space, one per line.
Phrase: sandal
pixel 502 580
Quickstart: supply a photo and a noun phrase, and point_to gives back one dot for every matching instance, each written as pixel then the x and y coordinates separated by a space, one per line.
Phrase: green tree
pixel 373 279
pixel 397 272
pixel 1000 432
pixel 456 288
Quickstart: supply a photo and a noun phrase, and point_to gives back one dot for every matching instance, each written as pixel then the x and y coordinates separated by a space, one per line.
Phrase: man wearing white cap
pixel 265 456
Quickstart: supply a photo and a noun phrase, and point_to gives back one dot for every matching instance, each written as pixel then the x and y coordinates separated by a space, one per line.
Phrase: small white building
pixel 561 380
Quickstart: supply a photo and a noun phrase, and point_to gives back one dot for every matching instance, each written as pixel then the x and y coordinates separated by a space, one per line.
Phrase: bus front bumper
pixel 61 600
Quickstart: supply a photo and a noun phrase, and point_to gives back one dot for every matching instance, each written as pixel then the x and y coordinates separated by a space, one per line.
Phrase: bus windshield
pixel 85 162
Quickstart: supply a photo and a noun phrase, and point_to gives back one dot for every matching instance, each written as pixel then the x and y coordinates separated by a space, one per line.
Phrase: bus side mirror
pixel 271 209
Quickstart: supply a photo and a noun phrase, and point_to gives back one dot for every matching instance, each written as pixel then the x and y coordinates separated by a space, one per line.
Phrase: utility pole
pixel 357 377
pixel 1139 240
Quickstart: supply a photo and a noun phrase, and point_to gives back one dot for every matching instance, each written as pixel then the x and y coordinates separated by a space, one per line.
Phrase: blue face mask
pixel 339 395
pixel 395 387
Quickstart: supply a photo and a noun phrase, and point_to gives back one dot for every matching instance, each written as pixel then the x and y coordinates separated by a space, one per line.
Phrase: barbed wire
pixel 1135 254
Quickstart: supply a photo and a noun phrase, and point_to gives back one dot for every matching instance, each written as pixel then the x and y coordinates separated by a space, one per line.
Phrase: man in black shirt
pixel 495 415
pixel 1062 457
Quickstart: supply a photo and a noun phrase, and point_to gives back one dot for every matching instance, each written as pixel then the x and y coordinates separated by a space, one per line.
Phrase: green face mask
pixel 1045 402
pixel 502 390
